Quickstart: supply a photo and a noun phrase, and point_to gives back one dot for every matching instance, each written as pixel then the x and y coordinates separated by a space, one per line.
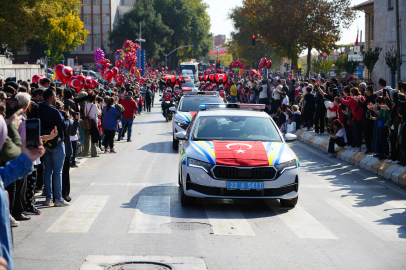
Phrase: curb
pixel 389 171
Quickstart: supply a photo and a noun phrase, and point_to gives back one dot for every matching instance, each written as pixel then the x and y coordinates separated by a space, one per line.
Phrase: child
pixel 74 141
pixel 338 138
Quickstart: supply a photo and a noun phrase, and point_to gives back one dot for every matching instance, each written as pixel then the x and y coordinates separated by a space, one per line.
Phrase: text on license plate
pixel 245 185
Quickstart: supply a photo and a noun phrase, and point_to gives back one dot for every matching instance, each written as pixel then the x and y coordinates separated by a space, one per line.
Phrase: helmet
pixel 176 86
pixel 207 83
pixel 177 77
pixel 168 89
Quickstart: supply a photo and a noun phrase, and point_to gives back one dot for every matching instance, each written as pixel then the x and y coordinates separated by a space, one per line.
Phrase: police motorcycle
pixel 168 101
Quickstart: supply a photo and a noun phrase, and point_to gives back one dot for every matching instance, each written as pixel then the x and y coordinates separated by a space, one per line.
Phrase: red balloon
pixel 268 64
pixel 36 78
pixel 108 75
pixel 41 77
pixel 115 73
pixel 324 55
pixel 120 79
pixel 230 74
pixel 94 83
pixel 64 73
pixel 77 82
pixel 119 63
pixel 88 82
pixel 166 68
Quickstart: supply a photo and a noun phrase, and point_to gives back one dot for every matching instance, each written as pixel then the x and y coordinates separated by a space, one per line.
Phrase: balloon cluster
pixel 237 64
pixel 127 45
pixel 98 55
pixel 103 65
pixel 119 55
pixel 130 60
pixel 262 63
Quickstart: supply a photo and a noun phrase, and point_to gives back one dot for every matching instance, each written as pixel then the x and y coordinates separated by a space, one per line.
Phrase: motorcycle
pixel 167 102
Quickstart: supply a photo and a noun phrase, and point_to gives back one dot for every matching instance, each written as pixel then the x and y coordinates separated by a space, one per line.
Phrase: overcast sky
pixel 220 24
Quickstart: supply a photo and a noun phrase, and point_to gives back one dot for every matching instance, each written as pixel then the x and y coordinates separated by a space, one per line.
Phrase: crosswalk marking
pixel 151 212
pixel 378 226
pixel 133 184
pixel 80 215
pixel 304 225
pixel 227 220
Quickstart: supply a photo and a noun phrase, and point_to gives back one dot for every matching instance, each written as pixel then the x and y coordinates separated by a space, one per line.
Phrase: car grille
pixel 239 173
pixel 242 193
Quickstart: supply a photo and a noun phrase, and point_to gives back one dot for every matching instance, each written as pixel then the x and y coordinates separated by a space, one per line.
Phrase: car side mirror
pixel 290 137
pixel 172 109
pixel 181 135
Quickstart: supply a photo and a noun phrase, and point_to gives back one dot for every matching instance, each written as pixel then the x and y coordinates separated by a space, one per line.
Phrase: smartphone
pixel 32 135
pixel 11 107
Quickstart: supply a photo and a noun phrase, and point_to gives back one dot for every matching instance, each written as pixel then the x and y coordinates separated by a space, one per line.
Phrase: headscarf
pixel 3 131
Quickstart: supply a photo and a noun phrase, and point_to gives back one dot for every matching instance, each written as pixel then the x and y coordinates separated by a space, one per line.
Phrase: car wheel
pixel 186 200
pixel 289 203
pixel 175 143
pixel 179 177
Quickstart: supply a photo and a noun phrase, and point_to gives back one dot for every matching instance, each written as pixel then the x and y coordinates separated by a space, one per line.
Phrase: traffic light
pixel 284 64
pixel 218 64
pixel 300 71
pixel 287 66
pixel 253 39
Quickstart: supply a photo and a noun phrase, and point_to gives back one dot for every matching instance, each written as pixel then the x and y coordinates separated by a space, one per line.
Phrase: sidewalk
pixel 389 171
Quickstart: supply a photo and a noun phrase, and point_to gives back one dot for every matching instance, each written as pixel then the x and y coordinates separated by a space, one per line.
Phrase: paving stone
pixel 383 168
pixel 364 161
pixel 317 141
pixel 402 179
pixel 339 153
pixel 358 159
pixel 368 165
pixel 311 139
pixel 300 133
pixel 377 165
pixel 305 136
pixel 397 173
pixel 346 155
pixel 324 146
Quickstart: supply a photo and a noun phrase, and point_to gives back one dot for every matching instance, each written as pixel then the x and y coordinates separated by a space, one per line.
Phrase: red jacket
pixel 130 107
pixel 354 105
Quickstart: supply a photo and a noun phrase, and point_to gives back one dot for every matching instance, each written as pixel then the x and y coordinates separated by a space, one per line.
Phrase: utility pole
pixel 398 41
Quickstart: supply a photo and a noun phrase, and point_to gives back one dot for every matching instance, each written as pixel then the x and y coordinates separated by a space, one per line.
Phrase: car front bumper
pixel 197 183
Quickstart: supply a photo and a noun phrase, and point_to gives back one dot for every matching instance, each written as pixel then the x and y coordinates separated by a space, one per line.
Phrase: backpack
pixel 87 122
pixel 120 108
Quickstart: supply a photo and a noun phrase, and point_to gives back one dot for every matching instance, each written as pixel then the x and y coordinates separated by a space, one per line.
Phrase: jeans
pixel 139 108
pixel 125 121
pixel 89 145
pixel 53 164
pixel 233 99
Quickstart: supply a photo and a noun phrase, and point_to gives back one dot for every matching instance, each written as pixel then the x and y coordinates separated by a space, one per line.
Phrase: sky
pixel 220 24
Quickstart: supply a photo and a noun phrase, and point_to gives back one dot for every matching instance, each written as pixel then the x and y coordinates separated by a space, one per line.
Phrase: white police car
pixel 189 104
pixel 236 151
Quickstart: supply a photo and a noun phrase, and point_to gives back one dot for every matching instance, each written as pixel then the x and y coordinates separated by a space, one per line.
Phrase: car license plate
pixel 245 185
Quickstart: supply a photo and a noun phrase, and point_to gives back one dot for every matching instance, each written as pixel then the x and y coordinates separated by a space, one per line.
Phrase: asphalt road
pixel 126 207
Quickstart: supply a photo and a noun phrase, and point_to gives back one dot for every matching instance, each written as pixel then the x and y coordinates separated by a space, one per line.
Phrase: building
pixel 380 31
pixel 219 40
pixel 99 17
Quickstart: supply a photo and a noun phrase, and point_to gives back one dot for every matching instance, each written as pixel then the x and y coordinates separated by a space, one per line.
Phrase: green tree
pixel 391 59
pixel 154 31
pixel 240 45
pixel 340 64
pixel 370 59
pixel 351 66
pixel 190 24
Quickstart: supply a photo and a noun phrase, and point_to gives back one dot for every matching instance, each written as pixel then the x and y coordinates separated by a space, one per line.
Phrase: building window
pixel 106 18
pixel 96 2
pixel 87 19
pixel 96 39
pixel 106 39
pixel 88 40
pixel 96 19
pixel 390 4
pixel 106 2
pixel 372 28
pixel 86 2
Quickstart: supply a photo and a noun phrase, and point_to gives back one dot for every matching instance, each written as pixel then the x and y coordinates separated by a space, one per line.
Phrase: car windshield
pixel 188 104
pixel 235 128
pixel 188 84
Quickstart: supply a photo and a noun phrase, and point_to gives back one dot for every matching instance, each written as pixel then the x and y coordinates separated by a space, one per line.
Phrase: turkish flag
pixel 241 154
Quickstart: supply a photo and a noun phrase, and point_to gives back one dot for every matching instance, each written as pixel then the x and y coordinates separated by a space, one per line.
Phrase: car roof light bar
pixel 232 106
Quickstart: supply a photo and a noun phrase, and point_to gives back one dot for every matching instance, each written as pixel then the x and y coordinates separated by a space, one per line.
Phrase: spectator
pixel 383 116
pixel 356 115
pixel 92 111
pixel 130 107
pixel 109 123
pixel 338 138
pixel 308 108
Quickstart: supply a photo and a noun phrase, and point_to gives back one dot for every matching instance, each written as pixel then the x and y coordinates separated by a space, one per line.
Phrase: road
pixel 126 207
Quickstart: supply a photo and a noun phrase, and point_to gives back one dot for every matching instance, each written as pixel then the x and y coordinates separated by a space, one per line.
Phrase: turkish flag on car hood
pixel 241 154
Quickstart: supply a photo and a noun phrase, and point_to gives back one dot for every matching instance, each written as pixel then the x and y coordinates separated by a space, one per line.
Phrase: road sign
pixel 355 57
pixel 357 49
pixel 77 69
pixel 71 62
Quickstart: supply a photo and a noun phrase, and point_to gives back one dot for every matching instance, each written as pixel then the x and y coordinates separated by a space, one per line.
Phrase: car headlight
pixel 200 164
pixel 291 164
pixel 181 123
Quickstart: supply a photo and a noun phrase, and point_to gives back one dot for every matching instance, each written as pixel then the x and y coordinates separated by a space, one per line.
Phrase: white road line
pixel 227 220
pixel 133 184
pixel 304 225
pixel 151 212
pixel 340 186
pixel 378 226
pixel 80 215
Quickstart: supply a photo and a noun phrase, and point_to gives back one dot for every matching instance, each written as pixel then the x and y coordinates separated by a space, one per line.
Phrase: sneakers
pixel 368 152
pixel 112 150
pixel 32 211
pixel 61 202
pixel 129 140
pixel 331 155
pixel 106 150
pixel 49 202
pixel 13 222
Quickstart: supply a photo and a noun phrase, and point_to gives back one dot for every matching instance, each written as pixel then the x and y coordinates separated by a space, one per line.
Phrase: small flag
pixel 356 42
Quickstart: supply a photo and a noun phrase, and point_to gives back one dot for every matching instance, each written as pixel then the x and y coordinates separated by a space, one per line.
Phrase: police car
pixel 189 104
pixel 236 151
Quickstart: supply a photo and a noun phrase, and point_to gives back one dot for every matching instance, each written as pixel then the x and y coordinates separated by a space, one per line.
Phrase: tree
pixel 190 24
pixel 25 20
pixel 370 59
pixel 284 19
pixel 323 21
pixel 340 64
pixel 351 66
pixel 65 34
pixel 320 64
pixel 36 49
pixel 240 45
pixel 154 30
pixel 391 59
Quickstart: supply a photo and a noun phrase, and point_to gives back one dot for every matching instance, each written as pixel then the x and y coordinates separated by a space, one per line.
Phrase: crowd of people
pixel 91 119
pixel 351 113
